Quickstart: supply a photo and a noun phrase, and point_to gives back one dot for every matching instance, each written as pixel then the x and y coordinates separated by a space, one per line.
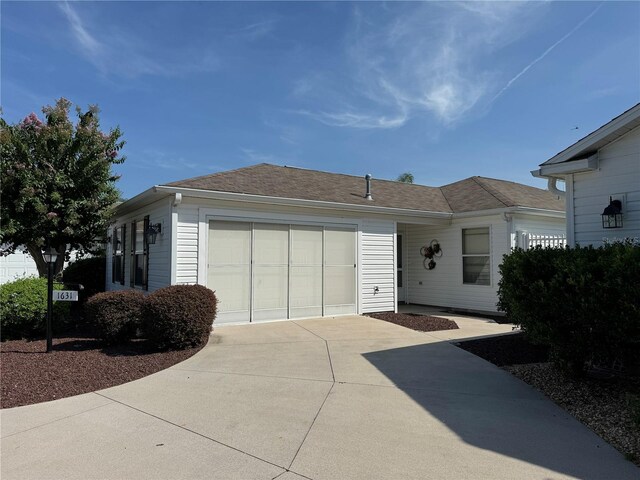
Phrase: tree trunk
pixel 36 253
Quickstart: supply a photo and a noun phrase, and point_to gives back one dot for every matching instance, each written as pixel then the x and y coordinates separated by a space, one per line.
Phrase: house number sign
pixel 65 296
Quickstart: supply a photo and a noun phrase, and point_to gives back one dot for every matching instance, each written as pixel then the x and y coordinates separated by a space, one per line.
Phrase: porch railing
pixel 528 240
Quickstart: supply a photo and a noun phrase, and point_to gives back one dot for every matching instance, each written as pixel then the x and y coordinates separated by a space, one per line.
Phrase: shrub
pixel 581 302
pixel 90 273
pixel 116 316
pixel 23 309
pixel 180 316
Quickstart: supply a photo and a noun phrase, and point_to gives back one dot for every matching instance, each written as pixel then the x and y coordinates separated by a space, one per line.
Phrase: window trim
pixel 465 255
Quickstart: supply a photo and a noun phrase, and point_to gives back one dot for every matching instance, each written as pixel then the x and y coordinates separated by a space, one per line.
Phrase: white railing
pixel 528 240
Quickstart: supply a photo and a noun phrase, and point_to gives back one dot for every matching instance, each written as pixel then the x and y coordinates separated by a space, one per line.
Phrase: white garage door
pixel 266 271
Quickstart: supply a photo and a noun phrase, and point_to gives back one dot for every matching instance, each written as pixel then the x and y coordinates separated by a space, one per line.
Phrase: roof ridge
pixel 354 176
pixel 497 195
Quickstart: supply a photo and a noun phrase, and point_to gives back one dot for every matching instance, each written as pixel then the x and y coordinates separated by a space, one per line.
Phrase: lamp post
pixel 50 256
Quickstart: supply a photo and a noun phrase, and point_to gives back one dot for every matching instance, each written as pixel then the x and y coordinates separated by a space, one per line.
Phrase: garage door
pixel 266 271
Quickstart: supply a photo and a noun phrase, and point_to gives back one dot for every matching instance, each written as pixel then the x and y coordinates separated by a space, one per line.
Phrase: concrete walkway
pixel 331 398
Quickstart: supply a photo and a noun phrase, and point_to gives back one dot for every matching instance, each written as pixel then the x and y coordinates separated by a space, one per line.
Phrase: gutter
pixel 261 199
pixel 161 191
pixel 512 210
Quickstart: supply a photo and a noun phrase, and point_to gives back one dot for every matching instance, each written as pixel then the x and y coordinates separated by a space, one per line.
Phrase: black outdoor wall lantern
pixel 152 232
pixel 612 215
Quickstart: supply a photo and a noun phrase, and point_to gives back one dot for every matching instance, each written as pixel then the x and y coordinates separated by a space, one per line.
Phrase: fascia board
pixel 143 199
pixel 524 210
pixel 574 166
pixel 249 198
pixel 618 126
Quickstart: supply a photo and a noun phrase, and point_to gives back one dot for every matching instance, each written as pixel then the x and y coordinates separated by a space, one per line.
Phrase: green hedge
pixel 581 302
pixel 23 309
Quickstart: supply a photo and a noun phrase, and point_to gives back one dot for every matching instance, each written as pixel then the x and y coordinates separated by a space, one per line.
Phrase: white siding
pixel 443 285
pixel 378 266
pixel 187 245
pixel 17 265
pixel 159 253
pixel 618 176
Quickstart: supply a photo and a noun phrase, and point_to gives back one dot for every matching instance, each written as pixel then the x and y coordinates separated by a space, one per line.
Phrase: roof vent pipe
pixel 367 195
pixel 551 186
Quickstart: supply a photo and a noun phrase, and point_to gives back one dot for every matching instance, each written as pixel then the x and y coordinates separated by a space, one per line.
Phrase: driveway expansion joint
pixel 311 426
pixel 255 375
pixel 191 431
pixel 62 418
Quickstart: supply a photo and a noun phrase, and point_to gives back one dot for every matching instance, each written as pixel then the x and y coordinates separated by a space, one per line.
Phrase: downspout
pixel 551 186
pixel 175 203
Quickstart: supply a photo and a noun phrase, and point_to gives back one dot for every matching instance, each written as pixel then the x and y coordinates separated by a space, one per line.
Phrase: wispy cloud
pixel 255 30
pixel 119 53
pixel 254 156
pixel 150 158
pixel 427 59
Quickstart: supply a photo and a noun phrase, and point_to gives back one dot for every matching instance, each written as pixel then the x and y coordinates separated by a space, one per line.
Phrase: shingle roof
pixel 480 193
pixel 472 194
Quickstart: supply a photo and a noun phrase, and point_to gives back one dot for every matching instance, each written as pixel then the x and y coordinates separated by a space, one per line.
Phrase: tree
pixel 57 185
pixel 405 178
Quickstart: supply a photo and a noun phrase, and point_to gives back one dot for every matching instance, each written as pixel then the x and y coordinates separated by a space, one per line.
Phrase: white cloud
pixel 150 158
pixel 255 30
pixel 422 59
pixel 254 156
pixel 119 53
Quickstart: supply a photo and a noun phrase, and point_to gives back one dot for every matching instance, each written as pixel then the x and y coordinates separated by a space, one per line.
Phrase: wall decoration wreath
pixel 429 252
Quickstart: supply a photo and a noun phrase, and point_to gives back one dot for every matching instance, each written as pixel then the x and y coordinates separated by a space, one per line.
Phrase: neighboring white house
pixel 603 165
pixel 280 242
pixel 20 264
pixel 17 265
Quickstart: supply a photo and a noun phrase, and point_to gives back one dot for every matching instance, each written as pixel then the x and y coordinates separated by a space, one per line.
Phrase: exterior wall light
pixel 152 232
pixel 612 215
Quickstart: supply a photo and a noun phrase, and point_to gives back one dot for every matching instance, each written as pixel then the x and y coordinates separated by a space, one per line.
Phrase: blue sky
pixel 442 90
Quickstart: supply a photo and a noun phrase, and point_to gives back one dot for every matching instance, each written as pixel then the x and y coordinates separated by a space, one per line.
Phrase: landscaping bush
pixel 88 272
pixel 180 316
pixel 581 302
pixel 23 309
pixel 115 316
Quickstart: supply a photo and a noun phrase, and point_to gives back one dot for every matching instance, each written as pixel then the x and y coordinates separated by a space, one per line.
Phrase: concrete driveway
pixel 330 398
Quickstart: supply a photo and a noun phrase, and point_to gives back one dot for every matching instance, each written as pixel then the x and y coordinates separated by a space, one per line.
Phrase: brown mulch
pixel 421 323
pixel 76 365
pixel 611 408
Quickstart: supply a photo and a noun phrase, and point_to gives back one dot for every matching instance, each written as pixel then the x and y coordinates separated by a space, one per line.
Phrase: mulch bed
pixel 506 350
pixel 76 365
pixel 421 323
pixel 611 408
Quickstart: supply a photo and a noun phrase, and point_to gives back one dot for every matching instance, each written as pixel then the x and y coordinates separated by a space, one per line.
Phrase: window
pixel 117 257
pixel 476 256
pixel 139 253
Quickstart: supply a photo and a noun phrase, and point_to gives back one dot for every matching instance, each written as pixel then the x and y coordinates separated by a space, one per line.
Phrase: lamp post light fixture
pixel 152 232
pixel 50 255
pixel 612 214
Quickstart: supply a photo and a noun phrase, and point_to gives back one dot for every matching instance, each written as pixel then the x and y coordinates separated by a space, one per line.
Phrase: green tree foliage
pixel 405 178
pixel 57 183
